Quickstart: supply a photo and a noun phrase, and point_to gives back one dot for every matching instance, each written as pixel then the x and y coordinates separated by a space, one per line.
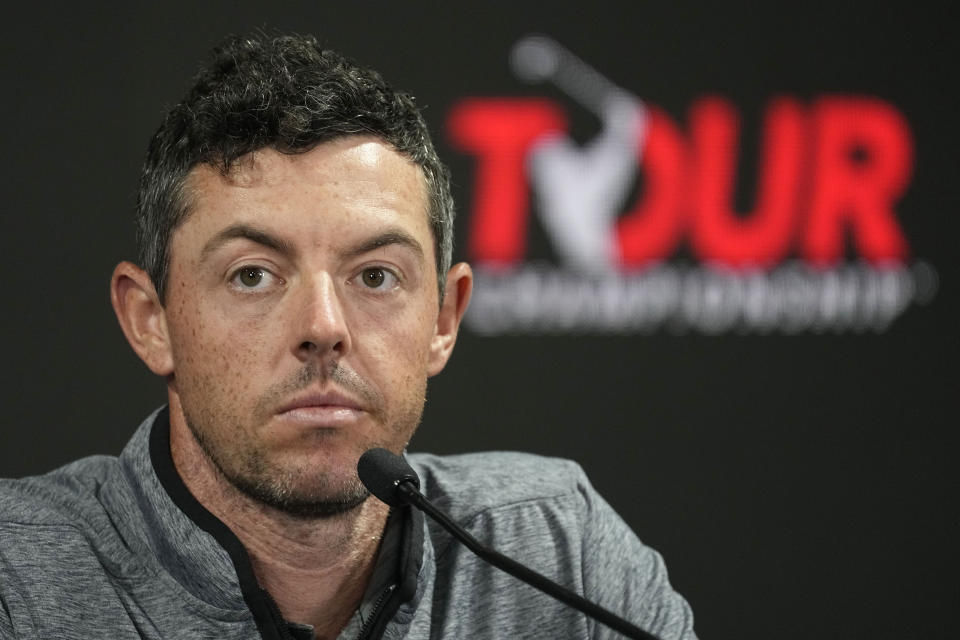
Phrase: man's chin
pixel 308 497
pixel 307 509
pixel 309 506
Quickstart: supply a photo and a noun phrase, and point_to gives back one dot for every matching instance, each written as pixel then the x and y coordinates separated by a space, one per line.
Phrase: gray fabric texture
pixel 99 549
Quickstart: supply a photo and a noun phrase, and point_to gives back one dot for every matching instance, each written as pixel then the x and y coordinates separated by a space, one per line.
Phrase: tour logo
pixel 641 217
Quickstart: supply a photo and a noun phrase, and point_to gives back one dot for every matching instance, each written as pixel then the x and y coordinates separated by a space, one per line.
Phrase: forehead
pixel 351 175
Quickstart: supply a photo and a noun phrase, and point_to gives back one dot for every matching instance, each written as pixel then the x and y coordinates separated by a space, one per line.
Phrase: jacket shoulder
pixel 57 497
pixel 467 484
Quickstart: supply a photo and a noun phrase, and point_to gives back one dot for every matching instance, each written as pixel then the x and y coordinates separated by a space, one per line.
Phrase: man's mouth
pixel 329 408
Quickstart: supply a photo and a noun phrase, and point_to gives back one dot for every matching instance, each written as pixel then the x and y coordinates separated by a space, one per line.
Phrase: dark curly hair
pixel 286 93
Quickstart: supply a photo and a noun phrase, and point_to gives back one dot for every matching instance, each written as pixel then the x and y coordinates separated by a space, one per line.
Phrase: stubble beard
pixel 298 491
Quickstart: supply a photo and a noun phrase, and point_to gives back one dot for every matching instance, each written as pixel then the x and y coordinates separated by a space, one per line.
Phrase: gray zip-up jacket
pixel 118 548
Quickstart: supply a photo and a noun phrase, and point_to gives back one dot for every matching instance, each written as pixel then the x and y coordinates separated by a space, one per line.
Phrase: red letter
pixel 500 133
pixel 862 160
pixel 763 237
pixel 651 230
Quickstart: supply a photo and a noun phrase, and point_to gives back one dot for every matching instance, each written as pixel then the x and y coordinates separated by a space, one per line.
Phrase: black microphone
pixel 388 477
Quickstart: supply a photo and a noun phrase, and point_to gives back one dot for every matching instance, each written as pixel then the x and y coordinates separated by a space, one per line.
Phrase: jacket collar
pixel 188 553
pixel 204 556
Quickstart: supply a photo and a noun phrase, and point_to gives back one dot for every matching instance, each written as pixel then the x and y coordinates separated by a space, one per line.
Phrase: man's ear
pixel 456 297
pixel 141 316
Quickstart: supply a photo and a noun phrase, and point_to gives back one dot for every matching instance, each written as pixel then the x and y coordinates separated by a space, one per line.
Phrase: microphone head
pixel 381 471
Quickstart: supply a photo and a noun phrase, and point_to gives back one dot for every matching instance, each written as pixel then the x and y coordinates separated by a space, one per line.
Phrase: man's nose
pixel 323 326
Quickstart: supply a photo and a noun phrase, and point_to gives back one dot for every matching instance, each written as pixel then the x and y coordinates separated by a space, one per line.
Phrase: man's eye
pixel 250 277
pixel 377 278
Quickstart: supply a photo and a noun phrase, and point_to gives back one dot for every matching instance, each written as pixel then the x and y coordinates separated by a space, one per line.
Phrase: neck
pixel 316 569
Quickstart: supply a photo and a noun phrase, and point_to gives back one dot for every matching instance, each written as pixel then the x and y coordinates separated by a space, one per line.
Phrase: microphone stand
pixel 408 492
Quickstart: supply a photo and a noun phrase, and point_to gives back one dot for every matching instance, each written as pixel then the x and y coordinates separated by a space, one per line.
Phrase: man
pixel 296 292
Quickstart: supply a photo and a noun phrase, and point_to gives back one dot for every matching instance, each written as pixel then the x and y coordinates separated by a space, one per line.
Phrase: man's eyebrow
pixel 389 237
pixel 246 232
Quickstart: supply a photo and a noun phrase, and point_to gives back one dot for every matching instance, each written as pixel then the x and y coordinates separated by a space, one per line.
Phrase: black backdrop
pixel 799 486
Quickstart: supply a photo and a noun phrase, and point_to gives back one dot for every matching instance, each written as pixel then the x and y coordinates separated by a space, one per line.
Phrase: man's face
pixel 301 306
